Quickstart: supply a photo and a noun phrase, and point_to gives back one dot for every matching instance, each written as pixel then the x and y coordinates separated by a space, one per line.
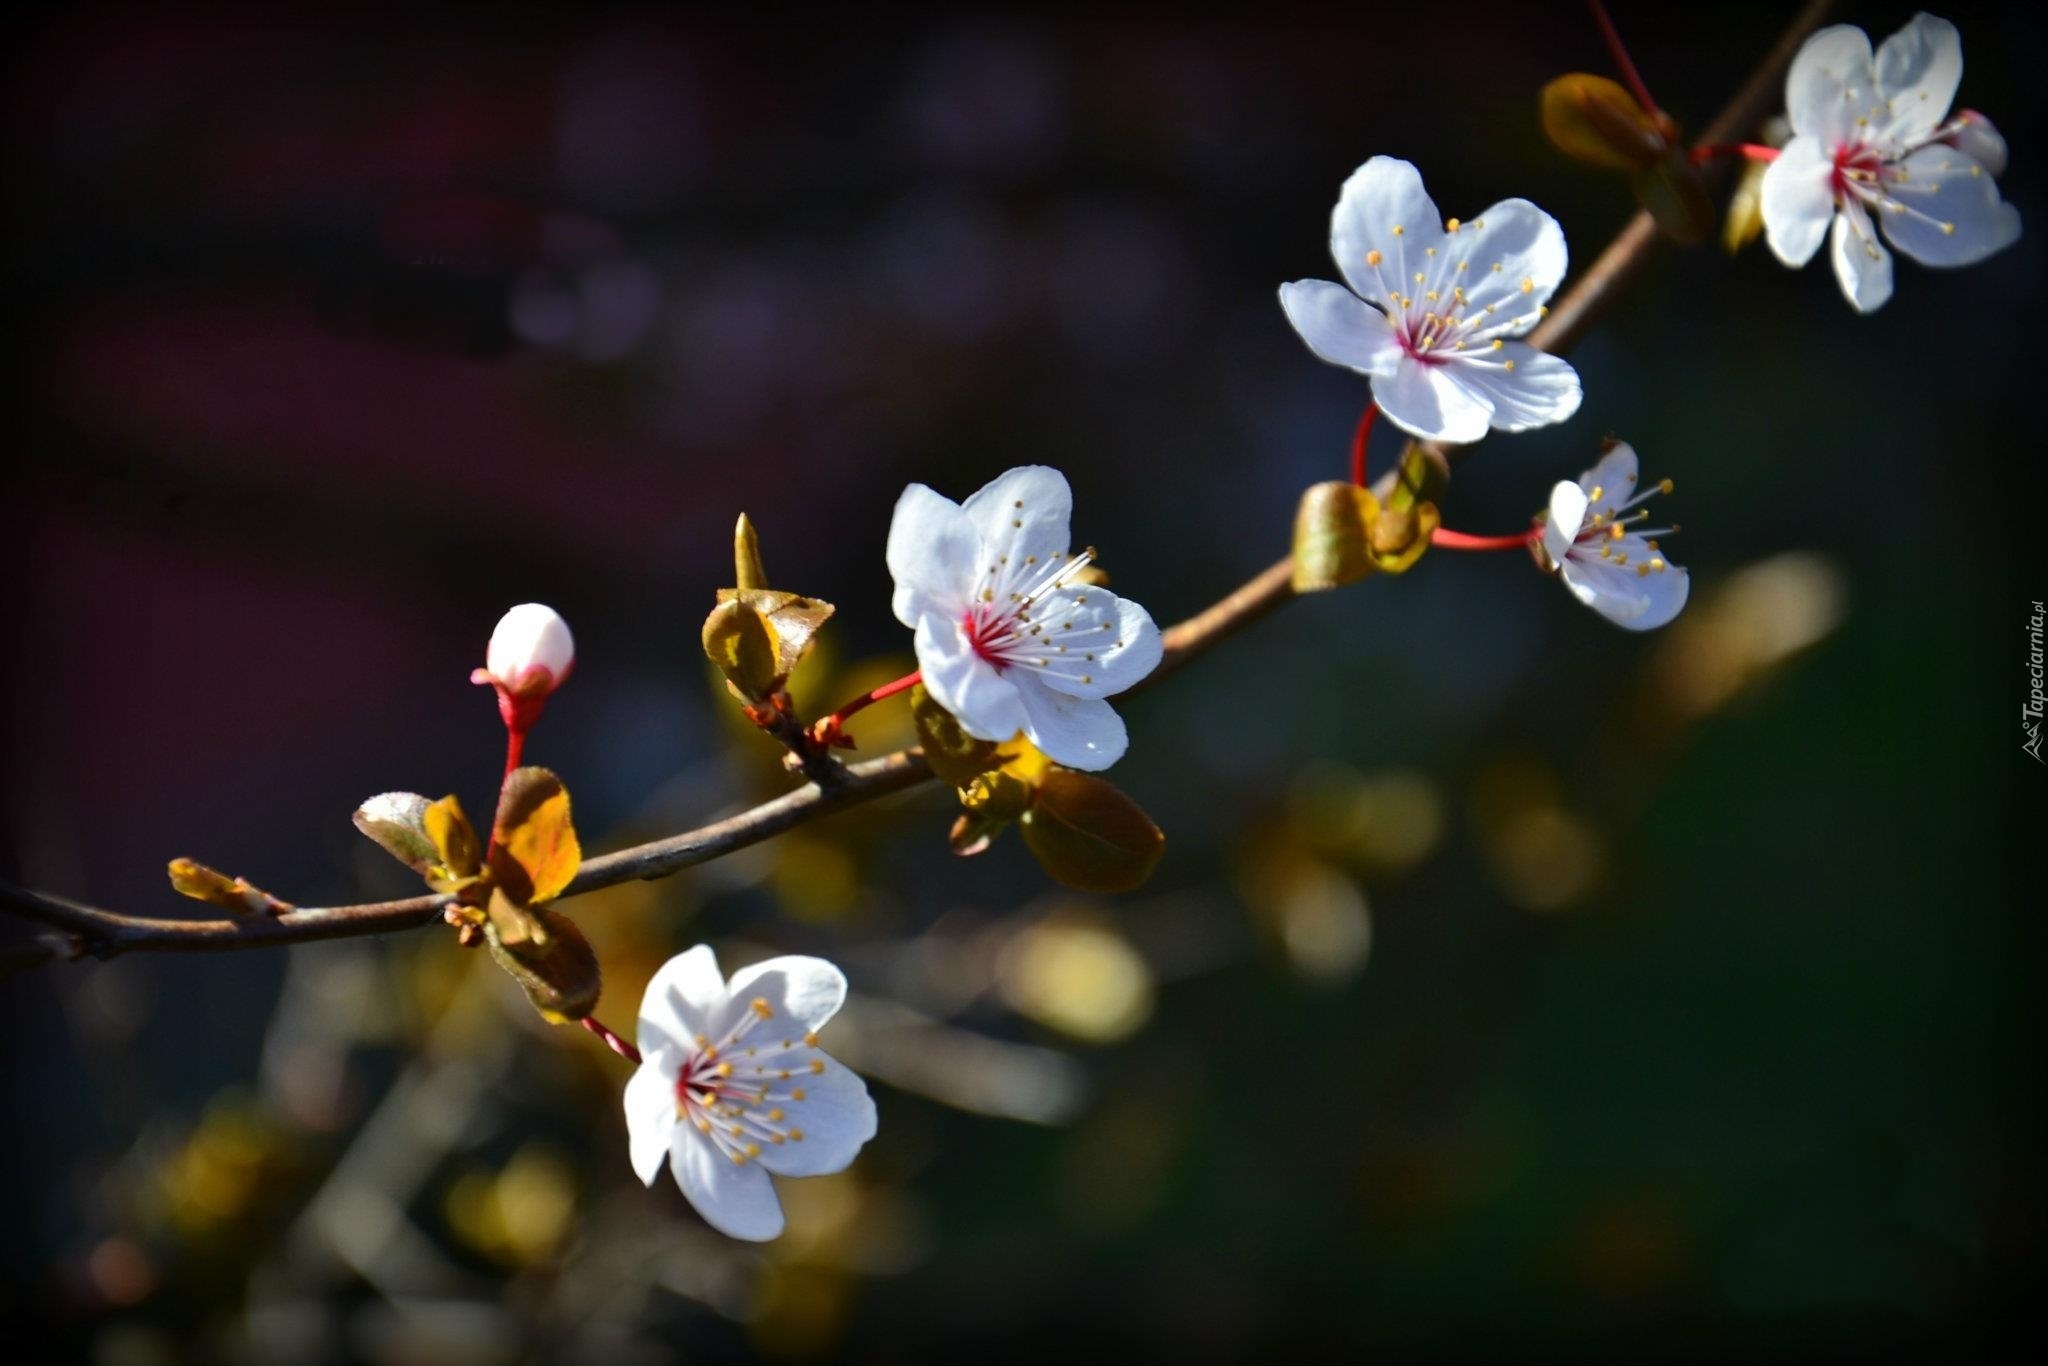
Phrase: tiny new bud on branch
pixel 530 655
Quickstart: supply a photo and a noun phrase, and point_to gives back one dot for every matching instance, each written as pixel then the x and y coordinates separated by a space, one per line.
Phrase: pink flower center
pixel 740 1094
pixel 1857 166
pixel 990 634
pixel 998 629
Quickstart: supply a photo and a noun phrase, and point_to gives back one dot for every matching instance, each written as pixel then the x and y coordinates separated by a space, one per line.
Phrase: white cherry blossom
pixel 732 1086
pixel 1007 639
pixel 1433 308
pixel 1874 149
pixel 1594 537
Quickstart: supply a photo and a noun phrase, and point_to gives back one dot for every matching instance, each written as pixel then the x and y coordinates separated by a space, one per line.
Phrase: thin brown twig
pixel 82 931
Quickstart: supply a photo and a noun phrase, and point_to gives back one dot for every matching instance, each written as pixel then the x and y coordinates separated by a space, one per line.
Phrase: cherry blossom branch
pixel 87 931
pixel 1570 315
pixel 77 930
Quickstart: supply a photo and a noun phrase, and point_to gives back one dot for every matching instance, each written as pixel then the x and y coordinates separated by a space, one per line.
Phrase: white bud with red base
pixel 530 655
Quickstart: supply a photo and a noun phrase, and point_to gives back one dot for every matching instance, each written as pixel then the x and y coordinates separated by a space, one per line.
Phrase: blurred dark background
pixel 1512 986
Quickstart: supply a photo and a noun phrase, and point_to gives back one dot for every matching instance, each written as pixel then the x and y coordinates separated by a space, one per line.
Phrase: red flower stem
pixel 1615 49
pixel 1446 539
pixel 1358 440
pixel 611 1040
pixel 1754 151
pixel 515 748
pixel 908 681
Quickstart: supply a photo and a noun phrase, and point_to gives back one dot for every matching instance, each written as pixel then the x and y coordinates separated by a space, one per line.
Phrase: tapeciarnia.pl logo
pixel 2030 715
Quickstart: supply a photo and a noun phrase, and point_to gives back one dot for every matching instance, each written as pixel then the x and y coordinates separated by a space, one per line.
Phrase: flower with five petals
pixel 1009 637
pixel 1594 539
pixel 1874 148
pixel 1433 308
pixel 732 1086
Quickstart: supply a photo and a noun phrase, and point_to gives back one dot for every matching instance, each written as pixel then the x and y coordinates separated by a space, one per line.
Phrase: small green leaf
pixel 1330 543
pixel 397 821
pixel 1089 835
pixel 1597 121
pixel 535 833
pixel 957 757
pixel 552 962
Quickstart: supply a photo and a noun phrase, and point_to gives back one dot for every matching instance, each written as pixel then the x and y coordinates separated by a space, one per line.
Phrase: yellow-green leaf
pixel 1397 538
pixel 554 964
pixel 1089 835
pixel 201 883
pixel 1330 543
pixel 793 622
pixel 747 569
pixel 1597 121
pixel 1424 476
pixel 738 639
pixel 515 925
pixel 454 839
pixel 957 757
pixel 397 821
pixel 1745 217
pixel 999 796
pixel 534 830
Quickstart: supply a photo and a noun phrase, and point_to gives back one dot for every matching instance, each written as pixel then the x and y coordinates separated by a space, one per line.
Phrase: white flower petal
pixel 735 1198
pixel 803 990
pixel 1979 140
pixel 1626 597
pixel 981 699
pixel 1339 326
pixel 1829 84
pixel 1383 208
pixel 1862 266
pixel 1540 390
pixel 681 1001
pixel 1022 513
pixel 1427 401
pixel 1948 212
pixel 933 553
pixel 650 1118
pixel 1080 732
pixel 1798 200
pixel 836 1116
pixel 1526 245
pixel 1613 476
pixel 1568 508
pixel 1918 70
pixel 1111 643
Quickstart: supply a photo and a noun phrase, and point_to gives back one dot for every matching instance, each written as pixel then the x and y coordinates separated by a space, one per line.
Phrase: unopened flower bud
pixel 529 656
